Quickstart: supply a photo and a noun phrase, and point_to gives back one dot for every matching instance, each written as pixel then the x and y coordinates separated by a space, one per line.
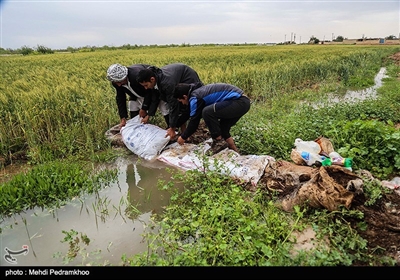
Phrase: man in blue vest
pixel 220 105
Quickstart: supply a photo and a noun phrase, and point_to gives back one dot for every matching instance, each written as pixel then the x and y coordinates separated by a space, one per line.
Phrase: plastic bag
pixel 307 146
pixel 248 168
pixel 145 140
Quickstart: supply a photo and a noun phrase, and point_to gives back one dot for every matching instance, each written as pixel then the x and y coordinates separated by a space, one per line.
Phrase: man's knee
pixel 208 113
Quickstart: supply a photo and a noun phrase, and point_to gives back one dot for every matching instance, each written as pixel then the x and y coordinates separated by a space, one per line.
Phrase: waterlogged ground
pixel 113 227
pixel 356 96
pixel 108 219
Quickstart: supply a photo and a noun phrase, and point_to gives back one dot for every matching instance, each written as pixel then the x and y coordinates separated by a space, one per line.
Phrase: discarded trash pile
pixel 328 186
pixel 324 187
pixel 318 152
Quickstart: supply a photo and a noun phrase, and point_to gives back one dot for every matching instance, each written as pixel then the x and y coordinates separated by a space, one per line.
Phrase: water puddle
pixel 114 220
pixel 355 96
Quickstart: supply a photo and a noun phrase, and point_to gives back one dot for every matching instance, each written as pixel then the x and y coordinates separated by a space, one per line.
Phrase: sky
pixel 58 24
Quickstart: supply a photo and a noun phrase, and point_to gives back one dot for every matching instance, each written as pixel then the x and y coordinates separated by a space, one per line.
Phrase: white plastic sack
pixel 248 168
pixel 144 140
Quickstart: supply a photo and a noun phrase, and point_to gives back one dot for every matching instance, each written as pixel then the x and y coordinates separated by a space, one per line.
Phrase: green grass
pixel 214 222
pixel 51 185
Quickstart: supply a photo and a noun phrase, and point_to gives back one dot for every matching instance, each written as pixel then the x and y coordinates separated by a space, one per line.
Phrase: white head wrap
pixel 117 72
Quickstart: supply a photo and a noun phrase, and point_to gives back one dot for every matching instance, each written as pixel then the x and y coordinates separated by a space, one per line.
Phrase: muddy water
pixel 365 93
pixel 359 95
pixel 114 220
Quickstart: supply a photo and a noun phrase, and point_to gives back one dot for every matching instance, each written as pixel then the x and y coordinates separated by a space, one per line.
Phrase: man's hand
pixel 145 119
pixel 142 113
pixel 171 133
pixel 122 123
pixel 180 140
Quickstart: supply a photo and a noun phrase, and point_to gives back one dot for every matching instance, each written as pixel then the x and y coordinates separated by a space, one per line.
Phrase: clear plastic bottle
pixel 396 181
pixel 312 158
pixel 307 146
pixel 335 158
pixel 345 162
pixel 334 155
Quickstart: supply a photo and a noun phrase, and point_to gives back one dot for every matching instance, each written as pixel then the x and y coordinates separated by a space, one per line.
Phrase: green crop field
pixel 55 109
pixel 57 105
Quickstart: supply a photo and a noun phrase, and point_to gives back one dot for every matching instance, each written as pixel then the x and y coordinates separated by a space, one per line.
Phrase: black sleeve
pixel 194 120
pixel 173 105
pixel 152 99
pixel 120 99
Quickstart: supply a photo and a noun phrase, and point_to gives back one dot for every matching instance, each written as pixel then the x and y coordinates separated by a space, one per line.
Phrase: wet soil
pixel 383 224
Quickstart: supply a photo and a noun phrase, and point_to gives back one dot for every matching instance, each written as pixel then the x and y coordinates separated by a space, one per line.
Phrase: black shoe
pixel 216 147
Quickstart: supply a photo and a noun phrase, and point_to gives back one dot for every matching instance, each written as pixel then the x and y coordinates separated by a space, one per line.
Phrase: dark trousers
pixel 221 116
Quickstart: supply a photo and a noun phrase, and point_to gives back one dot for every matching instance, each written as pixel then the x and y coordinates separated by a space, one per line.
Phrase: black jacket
pixel 150 100
pixel 168 77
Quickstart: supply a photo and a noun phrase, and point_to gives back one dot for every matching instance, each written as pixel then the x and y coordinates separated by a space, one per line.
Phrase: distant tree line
pixel 40 49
